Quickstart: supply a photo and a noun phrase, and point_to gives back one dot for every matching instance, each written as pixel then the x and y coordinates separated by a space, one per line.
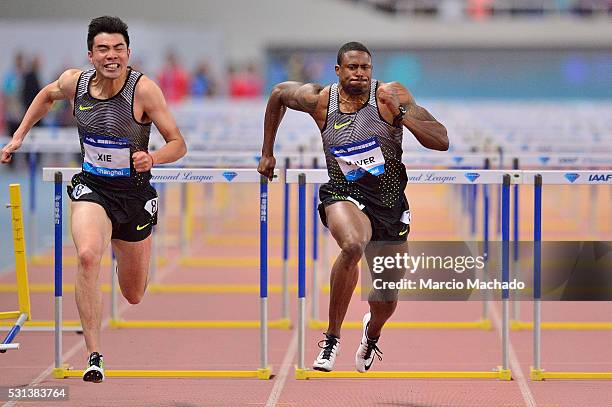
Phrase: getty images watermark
pixel 461 270
pixel 432 271
pixel 403 262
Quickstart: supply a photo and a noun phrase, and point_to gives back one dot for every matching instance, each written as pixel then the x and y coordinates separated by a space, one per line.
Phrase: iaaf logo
pixel 230 175
pixel 572 176
pixel 600 177
pixel 472 176
pixel 544 159
pixel 457 159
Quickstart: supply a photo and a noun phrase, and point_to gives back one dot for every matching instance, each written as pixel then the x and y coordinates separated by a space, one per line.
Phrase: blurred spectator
pixel 173 80
pixel 31 82
pixel 479 9
pixel 202 83
pixel 12 86
pixel 296 69
pixel 245 84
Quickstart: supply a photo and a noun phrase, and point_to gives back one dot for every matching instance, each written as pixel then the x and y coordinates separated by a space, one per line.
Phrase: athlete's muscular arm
pixel 62 88
pixel 293 95
pixel 427 130
pixel 150 97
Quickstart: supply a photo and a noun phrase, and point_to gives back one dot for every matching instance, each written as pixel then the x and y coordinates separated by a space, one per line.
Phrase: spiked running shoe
pixel 95 368
pixel 330 347
pixel 367 349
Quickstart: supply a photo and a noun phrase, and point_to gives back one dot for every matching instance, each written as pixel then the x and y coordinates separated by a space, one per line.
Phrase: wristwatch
pixel 397 120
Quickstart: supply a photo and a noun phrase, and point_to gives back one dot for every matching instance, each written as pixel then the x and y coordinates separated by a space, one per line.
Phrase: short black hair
pixel 352 46
pixel 109 25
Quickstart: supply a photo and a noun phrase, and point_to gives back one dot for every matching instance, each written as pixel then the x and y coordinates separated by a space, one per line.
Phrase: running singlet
pixel 363 153
pixel 109 135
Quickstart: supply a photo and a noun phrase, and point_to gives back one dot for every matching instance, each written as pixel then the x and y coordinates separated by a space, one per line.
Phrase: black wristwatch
pixel 397 120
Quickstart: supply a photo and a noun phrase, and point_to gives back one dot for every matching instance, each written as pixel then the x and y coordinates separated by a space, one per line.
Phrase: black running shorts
pixel 388 224
pixel 132 213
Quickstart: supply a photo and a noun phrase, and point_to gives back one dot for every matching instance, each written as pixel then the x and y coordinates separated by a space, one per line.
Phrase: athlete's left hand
pixel 143 161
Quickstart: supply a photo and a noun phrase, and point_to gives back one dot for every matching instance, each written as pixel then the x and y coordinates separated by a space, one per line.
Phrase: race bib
pixel 355 159
pixel 106 156
pixel 79 190
pixel 151 206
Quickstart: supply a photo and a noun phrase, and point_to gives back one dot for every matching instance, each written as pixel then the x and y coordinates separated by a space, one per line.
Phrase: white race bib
pixel 79 190
pixel 106 156
pixel 357 158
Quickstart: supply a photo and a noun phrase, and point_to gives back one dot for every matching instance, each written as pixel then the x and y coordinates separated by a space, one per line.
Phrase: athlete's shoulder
pixel 68 80
pixel 147 88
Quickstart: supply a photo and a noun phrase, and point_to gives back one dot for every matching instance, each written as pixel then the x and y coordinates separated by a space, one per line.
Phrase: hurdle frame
pixel 264 371
pixel 303 177
pixel 23 314
pixel 484 323
pixel 517 324
pixel 538 179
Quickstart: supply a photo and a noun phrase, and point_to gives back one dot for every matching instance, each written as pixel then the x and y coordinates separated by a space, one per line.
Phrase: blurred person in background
pixel 112 198
pixel 31 83
pixel 245 84
pixel 202 82
pixel 361 122
pixel 173 79
pixel 12 89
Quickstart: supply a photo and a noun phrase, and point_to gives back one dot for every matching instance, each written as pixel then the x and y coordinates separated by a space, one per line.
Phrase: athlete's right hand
pixel 7 151
pixel 266 166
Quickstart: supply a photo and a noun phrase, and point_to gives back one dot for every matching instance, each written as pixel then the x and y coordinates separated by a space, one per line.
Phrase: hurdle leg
pixel 301 272
pixel 59 370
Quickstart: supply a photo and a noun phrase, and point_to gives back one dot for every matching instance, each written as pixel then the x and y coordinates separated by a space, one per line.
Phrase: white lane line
pixel 515 366
pixel 284 372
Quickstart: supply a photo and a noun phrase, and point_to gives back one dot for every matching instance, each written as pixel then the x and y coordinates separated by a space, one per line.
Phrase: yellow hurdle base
pixel 264 374
pixel 541 374
pixel 274 324
pixel 48 323
pixel 501 374
pixel 569 326
pixel 10 315
pixel 483 324
pixel 72 261
pixel 156 288
pixel 225 262
pixel 277 324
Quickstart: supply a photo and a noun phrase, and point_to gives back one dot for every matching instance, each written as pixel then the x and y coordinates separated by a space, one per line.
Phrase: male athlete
pixel 361 122
pixel 112 199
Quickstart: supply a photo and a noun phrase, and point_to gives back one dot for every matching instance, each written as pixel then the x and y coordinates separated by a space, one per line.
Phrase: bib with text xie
pixel 106 156
pixel 355 159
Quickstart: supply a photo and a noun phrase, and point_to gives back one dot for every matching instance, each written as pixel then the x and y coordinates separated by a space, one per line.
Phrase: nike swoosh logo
pixel 341 125
pixel 404 232
pixel 367 367
pixel 139 228
pixel 82 108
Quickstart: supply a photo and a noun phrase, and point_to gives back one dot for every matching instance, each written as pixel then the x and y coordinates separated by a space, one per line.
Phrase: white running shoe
pixel 367 349
pixel 330 347
pixel 95 368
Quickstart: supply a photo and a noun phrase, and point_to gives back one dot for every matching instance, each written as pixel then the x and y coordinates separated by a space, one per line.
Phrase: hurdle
pixel 539 178
pixel 21 271
pixel 555 161
pixel 303 177
pixel 484 323
pixel 60 371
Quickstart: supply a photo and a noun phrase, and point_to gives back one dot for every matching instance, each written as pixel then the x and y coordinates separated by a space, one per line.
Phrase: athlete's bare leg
pixel 352 231
pixel 91 233
pixel 133 267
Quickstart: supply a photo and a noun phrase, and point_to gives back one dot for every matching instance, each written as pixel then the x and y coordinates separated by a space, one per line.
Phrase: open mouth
pixel 113 66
